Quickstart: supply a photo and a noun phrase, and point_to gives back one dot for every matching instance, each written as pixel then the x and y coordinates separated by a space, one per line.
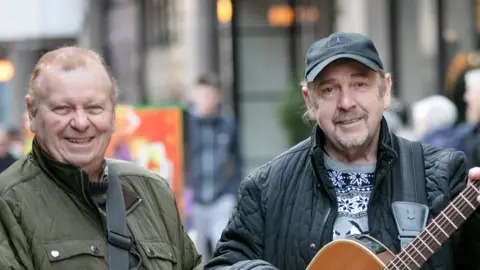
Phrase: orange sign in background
pixel 152 137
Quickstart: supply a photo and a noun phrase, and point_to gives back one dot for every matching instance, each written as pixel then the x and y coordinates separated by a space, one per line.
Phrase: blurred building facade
pixel 157 48
pixel 28 28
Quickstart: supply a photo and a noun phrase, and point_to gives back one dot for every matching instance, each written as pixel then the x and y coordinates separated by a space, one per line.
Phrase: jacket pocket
pixel 157 255
pixel 76 254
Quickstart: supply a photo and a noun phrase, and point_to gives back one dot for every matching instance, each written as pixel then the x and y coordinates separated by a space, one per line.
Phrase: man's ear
pixel 387 96
pixel 32 113
pixel 305 94
pixel 308 102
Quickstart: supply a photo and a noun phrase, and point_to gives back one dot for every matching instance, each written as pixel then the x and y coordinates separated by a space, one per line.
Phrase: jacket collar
pixel 385 154
pixel 71 178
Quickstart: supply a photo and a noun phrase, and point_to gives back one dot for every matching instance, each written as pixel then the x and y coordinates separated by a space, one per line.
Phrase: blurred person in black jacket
pixel 6 159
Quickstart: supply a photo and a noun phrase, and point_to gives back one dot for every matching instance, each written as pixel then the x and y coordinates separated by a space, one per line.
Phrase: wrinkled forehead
pixel 75 84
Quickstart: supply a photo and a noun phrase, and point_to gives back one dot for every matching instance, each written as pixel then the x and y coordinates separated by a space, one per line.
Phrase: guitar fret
pixel 434 238
pixel 468 202
pixel 425 244
pixel 389 267
pixel 476 189
pixel 412 259
pixel 459 212
pixel 449 220
pixel 441 229
pixel 404 263
pixel 420 253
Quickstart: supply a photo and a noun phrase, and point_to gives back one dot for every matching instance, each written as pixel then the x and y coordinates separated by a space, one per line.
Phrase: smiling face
pixel 72 114
pixel 347 100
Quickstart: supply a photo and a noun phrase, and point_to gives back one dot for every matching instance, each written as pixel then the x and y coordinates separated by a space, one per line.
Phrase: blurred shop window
pixel 160 22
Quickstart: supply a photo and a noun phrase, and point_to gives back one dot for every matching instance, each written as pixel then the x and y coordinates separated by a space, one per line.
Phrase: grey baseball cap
pixel 341 45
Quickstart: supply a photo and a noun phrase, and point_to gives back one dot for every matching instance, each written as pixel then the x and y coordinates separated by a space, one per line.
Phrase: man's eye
pixel 62 110
pixel 328 90
pixel 95 109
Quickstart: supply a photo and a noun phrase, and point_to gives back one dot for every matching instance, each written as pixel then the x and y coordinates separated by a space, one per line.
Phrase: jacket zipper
pixel 329 218
pixel 380 174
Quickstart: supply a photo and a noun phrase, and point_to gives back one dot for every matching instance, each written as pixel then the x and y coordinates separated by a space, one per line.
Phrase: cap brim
pixel 320 66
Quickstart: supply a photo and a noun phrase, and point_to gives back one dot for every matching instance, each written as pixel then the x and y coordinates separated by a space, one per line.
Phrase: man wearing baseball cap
pixel 351 177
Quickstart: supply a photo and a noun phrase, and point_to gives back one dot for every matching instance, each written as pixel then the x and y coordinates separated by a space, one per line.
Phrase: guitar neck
pixel 422 247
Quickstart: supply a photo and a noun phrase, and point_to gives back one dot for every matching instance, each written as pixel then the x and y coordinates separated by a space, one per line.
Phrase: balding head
pixel 66 59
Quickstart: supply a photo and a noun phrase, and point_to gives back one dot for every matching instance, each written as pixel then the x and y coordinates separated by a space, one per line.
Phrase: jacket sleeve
pixel 192 260
pixel 468 237
pixel 14 251
pixel 241 244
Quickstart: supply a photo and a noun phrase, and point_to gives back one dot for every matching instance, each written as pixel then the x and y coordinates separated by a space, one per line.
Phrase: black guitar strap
pixel 410 206
pixel 119 242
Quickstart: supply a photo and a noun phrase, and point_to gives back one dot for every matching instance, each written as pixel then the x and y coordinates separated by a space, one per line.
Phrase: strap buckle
pixel 119 240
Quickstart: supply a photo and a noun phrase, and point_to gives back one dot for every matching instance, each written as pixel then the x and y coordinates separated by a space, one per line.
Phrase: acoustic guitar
pixel 362 252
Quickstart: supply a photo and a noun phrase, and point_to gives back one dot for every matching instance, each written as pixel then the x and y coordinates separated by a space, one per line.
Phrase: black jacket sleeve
pixel 241 244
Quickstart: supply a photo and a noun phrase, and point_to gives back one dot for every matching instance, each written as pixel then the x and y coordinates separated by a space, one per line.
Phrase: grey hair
pixel 304 84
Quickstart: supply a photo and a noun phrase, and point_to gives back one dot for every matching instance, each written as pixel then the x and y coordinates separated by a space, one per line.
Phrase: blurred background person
pixel 434 119
pixel 6 158
pixel 398 118
pixel 472 99
pixel 16 147
pixel 213 161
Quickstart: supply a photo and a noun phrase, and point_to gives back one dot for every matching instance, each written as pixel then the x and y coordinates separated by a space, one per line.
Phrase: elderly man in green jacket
pixel 54 208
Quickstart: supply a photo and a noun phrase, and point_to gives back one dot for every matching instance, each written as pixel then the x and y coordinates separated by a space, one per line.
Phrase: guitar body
pixel 356 252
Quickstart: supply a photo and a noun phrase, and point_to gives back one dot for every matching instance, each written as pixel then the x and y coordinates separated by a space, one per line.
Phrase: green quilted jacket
pixel 49 221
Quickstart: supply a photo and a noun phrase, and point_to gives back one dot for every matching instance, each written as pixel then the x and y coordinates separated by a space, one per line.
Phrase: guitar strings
pixel 403 256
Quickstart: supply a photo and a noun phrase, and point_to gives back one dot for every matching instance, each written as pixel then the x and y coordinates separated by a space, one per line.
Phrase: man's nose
pixel 346 100
pixel 80 121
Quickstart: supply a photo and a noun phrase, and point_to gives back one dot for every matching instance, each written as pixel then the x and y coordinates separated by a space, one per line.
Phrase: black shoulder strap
pixel 119 242
pixel 412 171
pixel 409 205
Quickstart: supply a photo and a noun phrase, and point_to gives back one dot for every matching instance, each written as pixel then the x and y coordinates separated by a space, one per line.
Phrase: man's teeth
pixel 349 122
pixel 79 141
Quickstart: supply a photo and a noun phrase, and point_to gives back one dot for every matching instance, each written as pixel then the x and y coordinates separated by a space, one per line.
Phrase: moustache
pixel 345 117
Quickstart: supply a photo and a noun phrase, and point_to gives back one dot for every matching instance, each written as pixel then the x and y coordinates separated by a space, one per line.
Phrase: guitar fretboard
pixel 415 254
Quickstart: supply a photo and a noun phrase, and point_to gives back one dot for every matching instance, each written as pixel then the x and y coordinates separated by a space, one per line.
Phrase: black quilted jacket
pixel 286 209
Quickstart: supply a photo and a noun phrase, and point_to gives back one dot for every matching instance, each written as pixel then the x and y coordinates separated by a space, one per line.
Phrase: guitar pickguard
pixel 368 242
